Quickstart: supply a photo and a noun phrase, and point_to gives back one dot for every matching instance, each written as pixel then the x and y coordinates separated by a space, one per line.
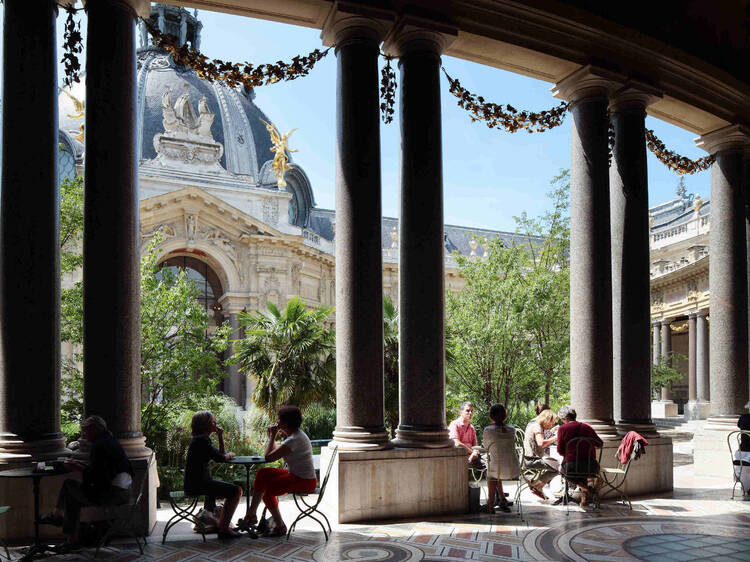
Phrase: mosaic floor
pixel 677 528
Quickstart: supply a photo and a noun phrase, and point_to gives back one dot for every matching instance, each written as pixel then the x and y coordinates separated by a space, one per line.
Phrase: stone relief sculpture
pixel 190 226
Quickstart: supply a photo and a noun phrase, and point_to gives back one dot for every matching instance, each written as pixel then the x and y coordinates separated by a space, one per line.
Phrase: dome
pixel 227 123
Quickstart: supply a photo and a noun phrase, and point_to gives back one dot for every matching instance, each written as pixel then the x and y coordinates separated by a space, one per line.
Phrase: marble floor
pixel 697 521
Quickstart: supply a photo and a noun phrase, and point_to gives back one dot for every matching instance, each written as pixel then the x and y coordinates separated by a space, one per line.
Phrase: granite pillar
pixel 234 382
pixel 696 408
pixel 359 285
pixel 666 355
pixel 590 255
pixel 111 281
pixel 422 254
pixel 29 238
pixel 656 342
pixel 728 338
pixel 701 358
pixel 631 291
pixel 692 358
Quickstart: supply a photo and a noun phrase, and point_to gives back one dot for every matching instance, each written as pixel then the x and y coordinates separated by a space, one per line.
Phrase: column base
pixel 663 409
pixel 697 410
pixel 643 427
pixel 134 446
pixel 651 473
pixel 710 450
pixel 604 428
pixel 14 450
pixel 361 438
pixel 421 439
pixel 398 483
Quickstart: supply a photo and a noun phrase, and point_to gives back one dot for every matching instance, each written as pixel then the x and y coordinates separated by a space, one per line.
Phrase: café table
pixel 38 548
pixel 251 463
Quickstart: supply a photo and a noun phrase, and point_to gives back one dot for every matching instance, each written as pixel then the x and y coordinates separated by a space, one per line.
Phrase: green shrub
pixel 318 422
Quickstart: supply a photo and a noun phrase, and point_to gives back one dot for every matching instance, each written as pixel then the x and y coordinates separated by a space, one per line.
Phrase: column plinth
pixel 29 238
pixel 631 291
pixel 422 253
pixel 111 267
pixel 359 286
pixel 590 254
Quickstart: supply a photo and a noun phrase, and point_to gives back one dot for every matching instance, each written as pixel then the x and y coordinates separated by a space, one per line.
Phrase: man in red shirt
pixel 463 433
pixel 580 457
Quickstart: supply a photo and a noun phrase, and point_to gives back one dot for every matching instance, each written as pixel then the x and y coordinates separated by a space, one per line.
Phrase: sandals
pixel 276 532
pixel 504 507
pixel 230 534
pixel 487 508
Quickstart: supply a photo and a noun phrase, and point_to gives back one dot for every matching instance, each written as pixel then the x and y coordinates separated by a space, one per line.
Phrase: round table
pixel 250 463
pixel 36 476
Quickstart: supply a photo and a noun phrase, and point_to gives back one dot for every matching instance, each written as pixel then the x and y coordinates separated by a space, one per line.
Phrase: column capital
pixel 732 138
pixel 588 82
pixel 141 8
pixel 633 96
pixel 351 23
pixel 232 303
pixel 693 315
pixel 411 34
pixel 703 312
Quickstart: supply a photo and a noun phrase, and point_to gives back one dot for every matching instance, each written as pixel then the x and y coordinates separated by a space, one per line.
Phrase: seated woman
pixel 498 439
pixel 534 445
pixel 198 480
pixel 296 450
pixel 742 455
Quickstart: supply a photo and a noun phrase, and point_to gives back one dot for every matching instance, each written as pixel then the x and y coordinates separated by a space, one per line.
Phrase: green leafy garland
pixel 72 47
pixel 387 90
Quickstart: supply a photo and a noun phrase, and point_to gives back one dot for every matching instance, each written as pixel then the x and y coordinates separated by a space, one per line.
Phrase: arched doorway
pixel 207 281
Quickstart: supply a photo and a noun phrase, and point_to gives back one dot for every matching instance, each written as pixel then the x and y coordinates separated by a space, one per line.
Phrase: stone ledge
pixel 401 453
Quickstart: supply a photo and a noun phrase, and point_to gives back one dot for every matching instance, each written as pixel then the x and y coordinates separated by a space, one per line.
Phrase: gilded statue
pixel 279 147
pixel 78 105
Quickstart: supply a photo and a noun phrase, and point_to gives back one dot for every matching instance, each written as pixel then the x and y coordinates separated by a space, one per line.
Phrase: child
pixel 498 439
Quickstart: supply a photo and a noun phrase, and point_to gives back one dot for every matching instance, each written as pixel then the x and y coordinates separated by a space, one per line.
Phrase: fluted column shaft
pixel 666 351
pixel 590 255
pixel 111 282
pixel 728 276
pixel 359 286
pixel 421 261
pixel 631 292
pixel 701 357
pixel 29 238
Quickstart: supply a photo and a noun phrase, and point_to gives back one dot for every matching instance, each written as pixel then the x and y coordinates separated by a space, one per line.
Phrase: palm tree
pixel 390 363
pixel 292 355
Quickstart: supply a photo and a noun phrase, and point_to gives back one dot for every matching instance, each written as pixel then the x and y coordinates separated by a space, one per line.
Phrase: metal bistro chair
pixel 527 475
pixel 477 474
pixel 125 519
pixel 739 443
pixel 3 510
pixel 308 509
pixel 614 479
pixel 504 452
pixel 587 468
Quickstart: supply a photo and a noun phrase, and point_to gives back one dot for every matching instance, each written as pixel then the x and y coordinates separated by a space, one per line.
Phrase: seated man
pixel 106 479
pixel 742 455
pixel 464 435
pixel 581 457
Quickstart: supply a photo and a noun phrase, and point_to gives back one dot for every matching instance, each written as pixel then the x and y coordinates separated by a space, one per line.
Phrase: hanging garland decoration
pixel 509 118
pixel 610 140
pixel 387 90
pixel 233 74
pixel 72 47
pixel 672 160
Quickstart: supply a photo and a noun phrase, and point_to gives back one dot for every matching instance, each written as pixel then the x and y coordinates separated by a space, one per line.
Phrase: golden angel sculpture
pixel 280 146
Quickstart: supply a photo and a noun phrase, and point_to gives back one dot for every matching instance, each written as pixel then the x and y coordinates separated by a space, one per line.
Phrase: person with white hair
pixel 107 477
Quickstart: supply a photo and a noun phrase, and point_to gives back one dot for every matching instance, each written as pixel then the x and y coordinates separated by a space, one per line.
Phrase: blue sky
pixel 489 175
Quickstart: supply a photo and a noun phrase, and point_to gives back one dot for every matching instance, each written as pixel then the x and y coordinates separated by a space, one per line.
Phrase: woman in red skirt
pixel 298 477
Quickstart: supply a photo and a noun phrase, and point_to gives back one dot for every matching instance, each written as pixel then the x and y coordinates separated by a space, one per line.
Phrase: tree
pixel 390 363
pixel 486 347
pixel 547 279
pixel 291 353
pixel 180 359
pixel 663 373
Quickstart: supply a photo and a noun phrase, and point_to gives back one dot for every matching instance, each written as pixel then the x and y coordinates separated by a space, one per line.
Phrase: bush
pixel 318 422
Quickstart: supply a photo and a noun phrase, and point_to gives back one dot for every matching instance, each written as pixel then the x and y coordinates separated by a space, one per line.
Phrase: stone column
pixel 631 291
pixel 29 239
pixel 692 358
pixel 235 381
pixel 359 285
pixel 656 345
pixel 111 283
pixel 701 358
pixel 728 277
pixel 590 254
pixel 666 351
pixel 697 406
pixel 422 254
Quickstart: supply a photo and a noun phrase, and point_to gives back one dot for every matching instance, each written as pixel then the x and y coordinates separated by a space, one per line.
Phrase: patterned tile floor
pixel 696 522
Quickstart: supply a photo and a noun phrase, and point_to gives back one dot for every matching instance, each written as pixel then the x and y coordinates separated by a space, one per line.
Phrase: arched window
pixel 66 162
pixel 205 279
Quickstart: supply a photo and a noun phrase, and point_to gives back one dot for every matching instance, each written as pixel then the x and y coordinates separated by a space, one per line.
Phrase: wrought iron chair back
pixel 739 450
pixel 614 479
pixel 125 519
pixel 586 466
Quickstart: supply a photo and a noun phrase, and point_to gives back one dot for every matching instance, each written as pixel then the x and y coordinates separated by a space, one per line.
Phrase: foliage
pixel 390 364
pixel 664 374
pixel 291 353
pixel 319 421
pixel 72 47
pixel 547 286
pixel 387 90
pixel 180 359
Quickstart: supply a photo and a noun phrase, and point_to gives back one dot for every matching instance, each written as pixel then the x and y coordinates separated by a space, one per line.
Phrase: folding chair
pixel 587 468
pixel 614 479
pixel 477 474
pixel 125 519
pixel 3 510
pixel 307 509
pixel 739 443
pixel 186 513
pixel 502 450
